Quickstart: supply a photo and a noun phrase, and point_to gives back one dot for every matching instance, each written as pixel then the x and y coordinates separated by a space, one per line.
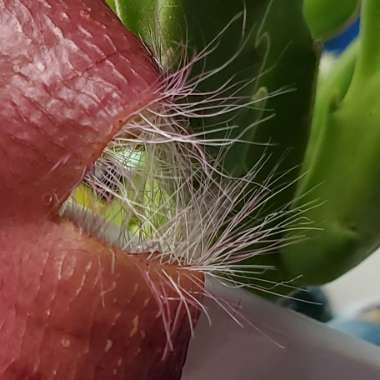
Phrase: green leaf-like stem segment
pixel 342 163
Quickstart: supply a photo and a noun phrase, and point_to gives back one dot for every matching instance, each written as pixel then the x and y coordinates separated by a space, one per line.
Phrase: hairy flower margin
pixel 155 191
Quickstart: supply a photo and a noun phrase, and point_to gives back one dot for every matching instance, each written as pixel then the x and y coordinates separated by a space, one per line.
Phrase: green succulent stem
pixel 330 93
pixel 369 57
pixel 341 164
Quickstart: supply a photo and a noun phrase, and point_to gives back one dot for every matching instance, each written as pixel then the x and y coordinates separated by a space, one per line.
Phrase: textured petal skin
pixel 72 308
pixel 69 72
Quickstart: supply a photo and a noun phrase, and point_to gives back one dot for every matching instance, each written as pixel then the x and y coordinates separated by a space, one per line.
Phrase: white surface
pixel 359 287
pixel 310 351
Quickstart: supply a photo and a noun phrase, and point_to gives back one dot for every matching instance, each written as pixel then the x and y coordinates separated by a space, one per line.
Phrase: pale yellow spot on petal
pixel 146 302
pixel 109 345
pixel 135 327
